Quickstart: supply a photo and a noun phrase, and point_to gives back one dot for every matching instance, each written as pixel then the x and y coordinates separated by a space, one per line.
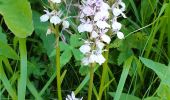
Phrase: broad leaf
pixel 160 69
pixel 65 57
pixel 7 51
pixel 18 17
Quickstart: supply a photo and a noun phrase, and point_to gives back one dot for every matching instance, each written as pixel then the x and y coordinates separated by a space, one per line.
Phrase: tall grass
pixel 136 68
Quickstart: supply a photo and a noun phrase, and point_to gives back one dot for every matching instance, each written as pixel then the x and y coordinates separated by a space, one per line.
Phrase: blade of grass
pixel 6 82
pixel 123 77
pixel 8 66
pixel 23 69
pixel 50 81
pixel 135 10
pixel 33 90
pixel 12 80
pixel 95 91
pixel 47 84
pixel 84 82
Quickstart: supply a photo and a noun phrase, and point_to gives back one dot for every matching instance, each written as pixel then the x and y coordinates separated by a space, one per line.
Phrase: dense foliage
pixel 136 65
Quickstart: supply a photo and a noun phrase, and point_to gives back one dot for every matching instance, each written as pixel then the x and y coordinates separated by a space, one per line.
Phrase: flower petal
pixel 100 59
pixel 116 25
pixel 85 48
pixel 102 24
pixel 65 24
pixel 56 1
pixel 120 35
pixel 105 38
pixel 85 28
pixel 44 18
pixel 55 20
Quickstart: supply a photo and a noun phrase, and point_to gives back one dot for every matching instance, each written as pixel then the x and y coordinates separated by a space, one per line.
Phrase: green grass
pixel 135 68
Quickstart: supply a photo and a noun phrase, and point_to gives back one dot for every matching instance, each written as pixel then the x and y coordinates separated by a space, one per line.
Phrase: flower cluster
pixel 54 17
pixel 95 18
pixel 72 97
pixel 118 8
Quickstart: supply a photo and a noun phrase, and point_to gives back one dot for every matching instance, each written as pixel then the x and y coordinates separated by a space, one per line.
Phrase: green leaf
pixel 3 37
pixel 40 30
pixel 125 96
pixel 6 82
pixel 84 70
pixel 160 69
pixel 33 90
pixel 163 92
pixel 152 98
pixel 75 41
pixel 123 77
pixel 77 54
pixel 123 56
pixel 22 81
pixel 7 51
pixel 18 16
pixel 65 57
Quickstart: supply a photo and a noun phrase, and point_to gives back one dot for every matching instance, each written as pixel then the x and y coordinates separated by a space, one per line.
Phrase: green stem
pixel 104 73
pixel 91 81
pixel 23 69
pixel 58 65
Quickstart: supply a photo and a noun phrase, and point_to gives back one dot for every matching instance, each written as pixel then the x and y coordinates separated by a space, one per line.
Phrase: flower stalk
pixel 58 65
pixel 104 73
pixel 54 17
pixel 91 81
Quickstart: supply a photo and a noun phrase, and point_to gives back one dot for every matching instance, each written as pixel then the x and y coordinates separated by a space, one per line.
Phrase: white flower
pixel 85 28
pixel 72 97
pixel 105 38
pixel 102 24
pixel 88 11
pixel 45 17
pixel 100 45
pixel 101 15
pixel 65 24
pixel 116 26
pixel 100 59
pixel 104 6
pixel 56 1
pixel 117 10
pixel 55 20
pixel 120 35
pixel 92 58
pixel 85 48
pixel 123 6
pixel 94 34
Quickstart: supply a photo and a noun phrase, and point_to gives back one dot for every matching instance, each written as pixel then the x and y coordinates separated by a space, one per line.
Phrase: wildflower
pixel 105 38
pixel 54 17
pixel 46 16
pixel 55 1
pixel 72 97
pixel 94 17
pixel 85 48
pixel 65 24
pixel 118 8
pixel 85 27
pixel 55 20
